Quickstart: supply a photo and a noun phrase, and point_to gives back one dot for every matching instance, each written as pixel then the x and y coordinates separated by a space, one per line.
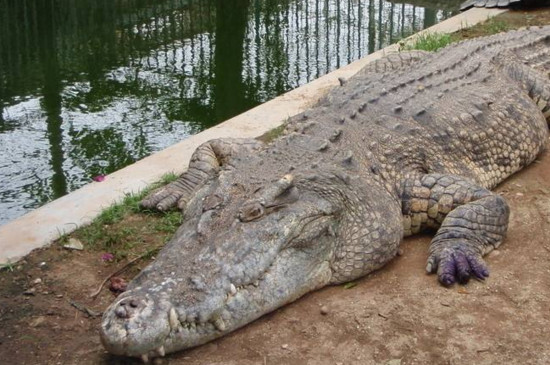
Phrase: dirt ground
pixel 398 315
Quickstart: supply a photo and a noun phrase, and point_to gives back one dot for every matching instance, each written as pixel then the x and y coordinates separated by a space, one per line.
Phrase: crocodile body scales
pixel 414 141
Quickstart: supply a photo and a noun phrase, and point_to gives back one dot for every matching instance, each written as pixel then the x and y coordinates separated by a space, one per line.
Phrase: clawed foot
pixel 457 262
pixel 163 198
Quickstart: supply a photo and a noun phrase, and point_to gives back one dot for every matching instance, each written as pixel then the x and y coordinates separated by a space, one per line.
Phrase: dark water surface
pixel 90 86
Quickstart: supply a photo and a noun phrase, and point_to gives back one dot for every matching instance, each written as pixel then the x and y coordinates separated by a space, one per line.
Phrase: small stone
pixel 284 346
pixel 59 296
pixel 43 265
pixel 74 244
pixel 29 292
pixel 37 281
pixel 37 321
pixel 324 310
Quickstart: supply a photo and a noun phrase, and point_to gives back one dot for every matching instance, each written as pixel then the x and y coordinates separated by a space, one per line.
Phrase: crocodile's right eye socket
pixel 251 211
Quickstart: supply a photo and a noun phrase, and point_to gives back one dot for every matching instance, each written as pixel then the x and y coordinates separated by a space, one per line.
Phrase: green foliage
pixel 494 26
pixel 169 222
pixel 273 133
pixel 350 285
pixel 428 42
pixel 8 267
pixel 121 228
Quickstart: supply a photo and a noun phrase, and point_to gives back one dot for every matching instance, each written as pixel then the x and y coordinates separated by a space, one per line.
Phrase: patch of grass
pixel 7 267
pixel 273 134
pixel 494 26
pixel 433 41
pixel 428 42
pixel 169 222
pixel 491 26
pixel 124 229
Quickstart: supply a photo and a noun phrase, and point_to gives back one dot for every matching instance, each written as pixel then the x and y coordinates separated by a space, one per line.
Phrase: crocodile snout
pixel 136 325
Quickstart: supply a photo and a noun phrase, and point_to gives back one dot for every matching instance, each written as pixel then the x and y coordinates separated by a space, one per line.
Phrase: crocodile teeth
pixel 219 324
pixel 145 358
pixel 161 351
pixel 233 289
pixel 173 319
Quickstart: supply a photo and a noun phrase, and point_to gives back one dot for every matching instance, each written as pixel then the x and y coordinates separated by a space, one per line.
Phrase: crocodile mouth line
pixel 189 327
pixel 179 323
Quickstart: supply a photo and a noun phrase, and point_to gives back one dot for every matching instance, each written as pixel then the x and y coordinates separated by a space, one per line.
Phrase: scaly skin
pixel 414 141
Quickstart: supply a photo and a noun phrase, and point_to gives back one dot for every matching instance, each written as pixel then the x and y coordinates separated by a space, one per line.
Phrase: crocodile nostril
pixel 121 311
pixel 128 307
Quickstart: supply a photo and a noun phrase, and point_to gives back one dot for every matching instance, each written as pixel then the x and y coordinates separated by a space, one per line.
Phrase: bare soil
pixel 398 315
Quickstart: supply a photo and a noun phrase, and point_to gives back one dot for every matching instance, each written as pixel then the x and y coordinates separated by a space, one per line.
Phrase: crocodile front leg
pixel 205 164
pixel 472 222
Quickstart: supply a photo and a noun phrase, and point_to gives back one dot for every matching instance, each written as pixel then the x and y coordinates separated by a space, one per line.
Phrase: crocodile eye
pixel 251 211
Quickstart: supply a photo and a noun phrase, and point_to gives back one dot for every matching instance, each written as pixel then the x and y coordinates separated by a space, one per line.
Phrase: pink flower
pixel 107 257
pixel 98 178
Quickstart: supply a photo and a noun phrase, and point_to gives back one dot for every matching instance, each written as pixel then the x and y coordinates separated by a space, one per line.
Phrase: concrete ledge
pixel 43 225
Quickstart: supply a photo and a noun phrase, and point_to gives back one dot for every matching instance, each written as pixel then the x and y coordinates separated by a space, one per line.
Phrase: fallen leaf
pixel 350 285
pixel 117 285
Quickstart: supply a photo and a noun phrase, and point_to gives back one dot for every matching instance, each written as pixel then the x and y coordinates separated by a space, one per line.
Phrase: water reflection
pixel 87 87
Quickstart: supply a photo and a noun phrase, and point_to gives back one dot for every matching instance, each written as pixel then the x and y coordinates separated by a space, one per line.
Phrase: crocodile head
pixel 245 250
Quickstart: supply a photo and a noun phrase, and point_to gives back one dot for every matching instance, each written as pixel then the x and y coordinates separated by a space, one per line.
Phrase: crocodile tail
pixel 529 64
pixel 535 53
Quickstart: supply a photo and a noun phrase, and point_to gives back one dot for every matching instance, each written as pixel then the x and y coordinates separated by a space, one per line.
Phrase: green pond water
pixel 90 86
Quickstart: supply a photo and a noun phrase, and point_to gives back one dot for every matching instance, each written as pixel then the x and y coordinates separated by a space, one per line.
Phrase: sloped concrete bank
pixel 45 224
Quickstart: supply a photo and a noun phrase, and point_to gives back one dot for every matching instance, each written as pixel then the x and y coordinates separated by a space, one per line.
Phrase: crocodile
pixel 414 141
